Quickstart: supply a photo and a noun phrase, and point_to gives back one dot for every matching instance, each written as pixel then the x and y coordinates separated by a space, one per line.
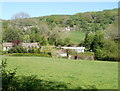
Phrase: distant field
pixel 76 36
pixel 75 73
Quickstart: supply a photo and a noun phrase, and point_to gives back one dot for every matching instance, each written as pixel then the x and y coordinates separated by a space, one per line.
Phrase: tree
pixel 20 20
pixel 88 40
pixel 21 15
pixel 16 42
pixel 109 52
pixel 44 30
pixel 26 38
pixel 98 40
pixel 11 34
pixel 58 35
pixel 111 31
pixel 17 49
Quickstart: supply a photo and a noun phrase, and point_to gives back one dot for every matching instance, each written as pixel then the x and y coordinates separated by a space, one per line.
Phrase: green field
pixel 76 36
pixel 75 73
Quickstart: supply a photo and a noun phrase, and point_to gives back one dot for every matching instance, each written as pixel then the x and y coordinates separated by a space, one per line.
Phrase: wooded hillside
pixel 97 31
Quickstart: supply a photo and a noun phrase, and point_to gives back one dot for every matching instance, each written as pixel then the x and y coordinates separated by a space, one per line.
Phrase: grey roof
pixel 29 44
pixel 73 47
pixel 8 44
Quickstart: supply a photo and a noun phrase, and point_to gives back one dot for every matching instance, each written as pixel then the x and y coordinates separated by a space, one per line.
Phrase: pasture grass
pixel 75 73
pixel 77 36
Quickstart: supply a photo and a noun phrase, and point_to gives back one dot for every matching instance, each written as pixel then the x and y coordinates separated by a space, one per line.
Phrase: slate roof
pixel 9 44
pixel 30 45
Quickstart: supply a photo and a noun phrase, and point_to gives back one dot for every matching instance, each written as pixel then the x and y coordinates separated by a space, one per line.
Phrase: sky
pixel 36 9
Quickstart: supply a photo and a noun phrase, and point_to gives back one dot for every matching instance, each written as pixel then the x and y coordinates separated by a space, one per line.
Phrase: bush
pixel 108 53
pixel 17 49
pixel 4 52
pixel 31 50
pixel 8 77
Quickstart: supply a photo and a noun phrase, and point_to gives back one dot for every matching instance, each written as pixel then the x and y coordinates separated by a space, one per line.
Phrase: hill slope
pixel 88 21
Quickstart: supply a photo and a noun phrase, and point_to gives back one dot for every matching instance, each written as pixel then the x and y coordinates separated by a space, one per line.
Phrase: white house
pixel 77 49
pixel 7 46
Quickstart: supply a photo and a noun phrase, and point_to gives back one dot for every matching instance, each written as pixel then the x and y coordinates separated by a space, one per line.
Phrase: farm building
pixel 8 45
pixel 63 50
pixel 77 49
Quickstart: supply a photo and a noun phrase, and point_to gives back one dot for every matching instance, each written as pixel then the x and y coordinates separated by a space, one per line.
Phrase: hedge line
pixel 30 54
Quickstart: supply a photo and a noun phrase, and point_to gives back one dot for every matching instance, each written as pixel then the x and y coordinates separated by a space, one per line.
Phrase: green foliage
pixel 88 40
pixel 8 77
pixel 108 52
pixel 100 26
pixel 11 34
pixel 103 43
pixel 111 32
pixel 67 41
pixel 31 54
pixel 43 29
pixel 98 40
pixel 17 49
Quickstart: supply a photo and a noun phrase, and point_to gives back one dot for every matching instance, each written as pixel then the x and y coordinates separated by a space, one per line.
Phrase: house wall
pixel 6 48
pixel 79 50
pixel 63 55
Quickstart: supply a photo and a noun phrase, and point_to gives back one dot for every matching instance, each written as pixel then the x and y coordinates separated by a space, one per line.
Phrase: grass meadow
pixel 76 36
pixel 74 73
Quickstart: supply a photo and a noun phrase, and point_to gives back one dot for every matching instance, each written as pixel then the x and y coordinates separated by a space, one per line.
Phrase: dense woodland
pixel 100 28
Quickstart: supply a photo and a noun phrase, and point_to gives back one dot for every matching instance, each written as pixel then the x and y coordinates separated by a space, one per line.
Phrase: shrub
pixel 4 52
pixel 108 53
pixel 17 49
pixel 31 50
pixel 8 77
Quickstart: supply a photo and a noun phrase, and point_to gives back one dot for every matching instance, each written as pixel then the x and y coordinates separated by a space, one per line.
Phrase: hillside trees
pixel 111 31
pixel 48 29
pixel 98 41
pixel 104 43
pixel 88 40
pixel 108 52
pixel 20 20
pixel 11 34
pixel 54 36
pixel 59 36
